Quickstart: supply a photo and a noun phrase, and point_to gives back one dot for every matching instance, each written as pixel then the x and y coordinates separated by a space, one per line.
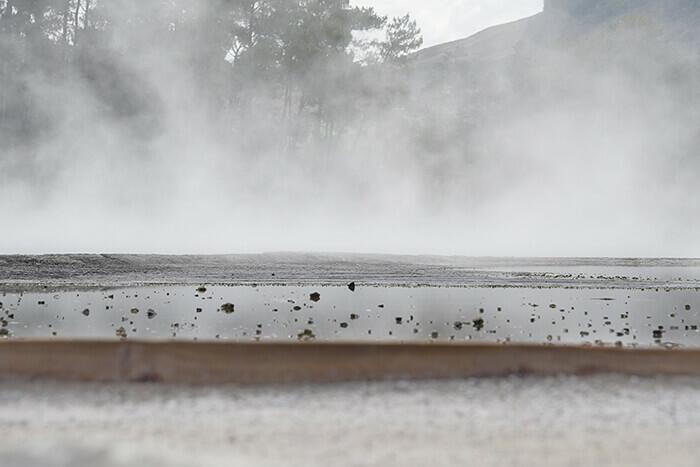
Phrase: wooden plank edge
pixel 264 363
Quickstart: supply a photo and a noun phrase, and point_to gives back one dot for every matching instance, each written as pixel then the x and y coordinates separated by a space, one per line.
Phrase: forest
pixel 302 70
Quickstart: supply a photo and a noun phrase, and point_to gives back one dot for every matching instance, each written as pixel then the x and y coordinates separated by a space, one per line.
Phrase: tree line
pixel 307 67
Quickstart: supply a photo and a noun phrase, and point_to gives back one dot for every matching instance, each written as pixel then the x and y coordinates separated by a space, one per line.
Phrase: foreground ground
pixel 602 420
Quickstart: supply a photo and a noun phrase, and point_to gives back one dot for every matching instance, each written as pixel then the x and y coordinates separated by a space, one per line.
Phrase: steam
pixel 564 148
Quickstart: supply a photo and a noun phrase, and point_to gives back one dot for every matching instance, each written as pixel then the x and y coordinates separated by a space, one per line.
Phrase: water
pixel 627 317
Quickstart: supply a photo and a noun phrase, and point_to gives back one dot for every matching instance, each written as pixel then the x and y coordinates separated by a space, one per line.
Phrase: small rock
pixel 151 314
pixel 306 335
pixel 351 286
pixel 227 308
pixel 315 297
pixel 86 312
pixel 121 332
pixel 134 311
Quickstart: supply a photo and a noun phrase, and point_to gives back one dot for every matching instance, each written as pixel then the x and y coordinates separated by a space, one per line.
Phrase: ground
pixel 596 420
pixel 52 272
pixel 601 420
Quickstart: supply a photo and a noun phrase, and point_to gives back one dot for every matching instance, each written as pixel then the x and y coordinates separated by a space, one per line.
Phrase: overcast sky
pixel 446 20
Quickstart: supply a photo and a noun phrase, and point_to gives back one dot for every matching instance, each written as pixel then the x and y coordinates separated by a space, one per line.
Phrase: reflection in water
pixel 369 314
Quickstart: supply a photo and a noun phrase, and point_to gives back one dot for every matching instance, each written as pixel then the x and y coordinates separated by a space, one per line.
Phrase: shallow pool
pixel 649 317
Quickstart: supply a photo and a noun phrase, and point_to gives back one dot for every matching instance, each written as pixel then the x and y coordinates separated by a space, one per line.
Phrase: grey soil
pixel 83 271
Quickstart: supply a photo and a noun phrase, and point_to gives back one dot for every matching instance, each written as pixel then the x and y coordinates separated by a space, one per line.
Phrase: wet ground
pixel 627 317
pixel 651 302
pixel 82 271
pixel 601 421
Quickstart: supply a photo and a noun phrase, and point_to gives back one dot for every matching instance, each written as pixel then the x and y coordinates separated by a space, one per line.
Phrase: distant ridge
pixel 566 19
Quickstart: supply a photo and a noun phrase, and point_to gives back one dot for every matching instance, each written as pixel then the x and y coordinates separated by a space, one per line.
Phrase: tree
pixel 284 65
pixel 403 37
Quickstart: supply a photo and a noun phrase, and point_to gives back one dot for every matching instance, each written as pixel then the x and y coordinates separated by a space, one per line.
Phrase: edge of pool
pixel 201 363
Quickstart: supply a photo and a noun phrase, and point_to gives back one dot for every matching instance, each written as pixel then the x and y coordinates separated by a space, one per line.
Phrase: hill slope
pixel 606 57
pixel 573 20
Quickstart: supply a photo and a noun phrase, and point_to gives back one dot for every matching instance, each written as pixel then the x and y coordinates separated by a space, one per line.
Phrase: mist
pixel 449 20
pixel 177 127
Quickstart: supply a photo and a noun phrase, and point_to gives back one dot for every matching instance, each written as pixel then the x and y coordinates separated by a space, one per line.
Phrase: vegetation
pixel 294 63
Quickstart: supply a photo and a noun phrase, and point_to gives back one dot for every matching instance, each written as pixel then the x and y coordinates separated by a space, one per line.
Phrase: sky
pixel 447 20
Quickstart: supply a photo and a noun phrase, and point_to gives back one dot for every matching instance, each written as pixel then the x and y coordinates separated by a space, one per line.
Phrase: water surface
pixel 628 317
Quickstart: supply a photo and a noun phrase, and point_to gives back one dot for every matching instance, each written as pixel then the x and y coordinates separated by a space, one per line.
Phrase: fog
pixel 175 127
pixel 449 20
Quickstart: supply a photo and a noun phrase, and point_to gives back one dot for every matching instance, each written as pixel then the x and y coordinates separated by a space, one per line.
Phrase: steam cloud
pixel 571 133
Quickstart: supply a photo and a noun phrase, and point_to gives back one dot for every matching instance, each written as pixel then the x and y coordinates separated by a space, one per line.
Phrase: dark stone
pixel 306 335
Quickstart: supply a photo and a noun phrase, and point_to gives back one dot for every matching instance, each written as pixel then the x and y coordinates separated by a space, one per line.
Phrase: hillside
pixel 640 36
pixel 602 56
pixel 571 20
